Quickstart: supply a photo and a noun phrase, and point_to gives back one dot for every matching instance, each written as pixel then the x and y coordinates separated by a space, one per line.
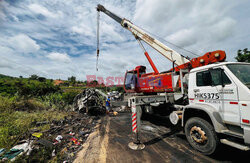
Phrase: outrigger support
pixel 136 126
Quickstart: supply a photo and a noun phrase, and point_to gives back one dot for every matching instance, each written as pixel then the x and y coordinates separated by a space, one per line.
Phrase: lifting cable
pixel 97 46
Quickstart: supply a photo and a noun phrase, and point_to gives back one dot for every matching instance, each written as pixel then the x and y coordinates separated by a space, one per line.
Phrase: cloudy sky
pixel 57 39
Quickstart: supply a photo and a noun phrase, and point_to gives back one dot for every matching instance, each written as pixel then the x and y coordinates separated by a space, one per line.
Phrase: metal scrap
pixel 90 101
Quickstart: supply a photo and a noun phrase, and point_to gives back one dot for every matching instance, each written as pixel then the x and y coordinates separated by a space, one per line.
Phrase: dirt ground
pixel 109 143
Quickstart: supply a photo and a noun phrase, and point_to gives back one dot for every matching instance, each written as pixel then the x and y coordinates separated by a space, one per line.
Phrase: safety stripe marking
pixel 134 119
pixel 133 115
pixel 135 128
pixel 134 125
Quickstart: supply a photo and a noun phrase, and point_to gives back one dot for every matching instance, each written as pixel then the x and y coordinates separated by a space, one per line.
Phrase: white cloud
pixel 23 43
pixel 60 57
pixel 5 64
pixel 190 24
pixel 83 29
pixel 184 37
pixel 36 8
pixel 68 28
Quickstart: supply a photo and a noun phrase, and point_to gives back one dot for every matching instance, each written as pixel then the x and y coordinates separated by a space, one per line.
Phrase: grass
pixel 14 124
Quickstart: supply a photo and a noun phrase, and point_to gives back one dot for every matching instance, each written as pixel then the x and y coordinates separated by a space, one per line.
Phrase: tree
pixel 243 55
pixel 41 79
pixel 72 80
pixel 33 77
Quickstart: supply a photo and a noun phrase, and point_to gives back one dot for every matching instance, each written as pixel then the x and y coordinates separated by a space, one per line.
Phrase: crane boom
pixel 139 33
pixel 137 80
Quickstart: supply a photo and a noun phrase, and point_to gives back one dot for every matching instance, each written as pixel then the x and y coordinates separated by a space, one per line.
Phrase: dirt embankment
pixel 95 147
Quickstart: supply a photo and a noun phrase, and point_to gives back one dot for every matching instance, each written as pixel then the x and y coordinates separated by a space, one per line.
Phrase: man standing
pixel 108 104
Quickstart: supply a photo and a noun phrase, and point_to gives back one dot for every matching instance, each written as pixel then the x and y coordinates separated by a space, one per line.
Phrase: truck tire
pixel 201 135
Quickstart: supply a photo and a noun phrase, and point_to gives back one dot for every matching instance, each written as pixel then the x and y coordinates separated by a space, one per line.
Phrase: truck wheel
pixel 201 135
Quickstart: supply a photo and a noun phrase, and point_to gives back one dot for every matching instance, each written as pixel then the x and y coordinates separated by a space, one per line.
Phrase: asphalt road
pixel 109 143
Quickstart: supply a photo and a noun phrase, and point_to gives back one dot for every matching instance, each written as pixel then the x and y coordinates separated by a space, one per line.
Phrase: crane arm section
pixel 139 33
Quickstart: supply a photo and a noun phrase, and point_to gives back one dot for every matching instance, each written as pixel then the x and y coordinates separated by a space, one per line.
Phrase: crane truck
pixel 208 97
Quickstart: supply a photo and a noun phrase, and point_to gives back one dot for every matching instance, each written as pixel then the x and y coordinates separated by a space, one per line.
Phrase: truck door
pixel 229 109
pixel 214 88
pixel 204 92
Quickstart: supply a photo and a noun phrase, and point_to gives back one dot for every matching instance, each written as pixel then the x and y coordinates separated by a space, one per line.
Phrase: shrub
pixel 69 96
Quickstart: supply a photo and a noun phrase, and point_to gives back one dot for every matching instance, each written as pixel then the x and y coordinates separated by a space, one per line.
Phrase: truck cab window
pixel 218 76
pixel 203 78
pixel 212 77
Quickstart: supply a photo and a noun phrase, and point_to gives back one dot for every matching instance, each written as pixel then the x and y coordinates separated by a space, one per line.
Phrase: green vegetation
pixel 25 101
pixel 243 55
pixel 15 123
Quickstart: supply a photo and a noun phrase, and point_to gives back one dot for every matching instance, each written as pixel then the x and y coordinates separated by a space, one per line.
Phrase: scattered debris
pixel 45 143
pixel 115 113
pixel 42 123
pixel 37 134
pixel 2 150
pixel 64 137
pixel 26 146
pixel 62 141
pixel 114 95
pixel 59 138
pixel 11 154
pixel 75 141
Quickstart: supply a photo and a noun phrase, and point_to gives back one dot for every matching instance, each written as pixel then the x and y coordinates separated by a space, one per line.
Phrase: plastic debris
pixel 2 150
pixel 37 134
pixel 75 141
pixel 26 147
pixel 53 153
pixel 71 133
pixel 11 154
pixel 59 138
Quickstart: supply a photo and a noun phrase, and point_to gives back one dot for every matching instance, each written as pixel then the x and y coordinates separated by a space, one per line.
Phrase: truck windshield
pixel 242 72
pixel 129 80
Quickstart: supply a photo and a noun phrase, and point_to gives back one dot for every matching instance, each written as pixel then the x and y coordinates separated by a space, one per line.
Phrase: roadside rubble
pixel 60 143
pixel 90 101
pixel 63 138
